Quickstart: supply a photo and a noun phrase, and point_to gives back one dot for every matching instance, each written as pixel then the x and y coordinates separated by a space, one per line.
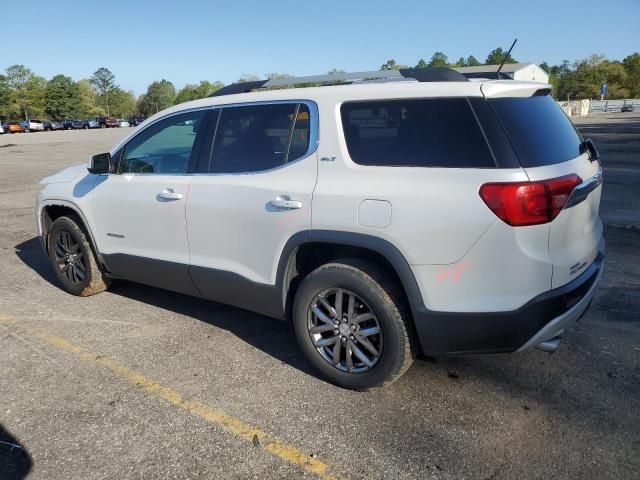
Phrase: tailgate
pixel 549 147
pixel 575 234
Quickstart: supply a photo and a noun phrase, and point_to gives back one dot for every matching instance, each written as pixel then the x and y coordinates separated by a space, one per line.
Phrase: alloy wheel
pixel 69 258
pixel 345 330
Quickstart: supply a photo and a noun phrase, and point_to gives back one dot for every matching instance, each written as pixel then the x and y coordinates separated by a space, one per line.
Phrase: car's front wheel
pixel 73 259
pixel 352 325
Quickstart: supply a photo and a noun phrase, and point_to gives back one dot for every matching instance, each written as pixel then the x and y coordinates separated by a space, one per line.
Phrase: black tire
pixel 92 281
pixel 375 287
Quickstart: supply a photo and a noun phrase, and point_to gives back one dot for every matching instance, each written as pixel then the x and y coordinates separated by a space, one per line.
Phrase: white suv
pixel 406 210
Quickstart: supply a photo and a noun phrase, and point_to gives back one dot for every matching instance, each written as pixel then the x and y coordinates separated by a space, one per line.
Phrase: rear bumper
pixel 540 319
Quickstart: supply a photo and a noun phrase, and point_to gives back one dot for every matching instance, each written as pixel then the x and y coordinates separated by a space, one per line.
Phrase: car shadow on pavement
pixel 15 461
pixel 274 337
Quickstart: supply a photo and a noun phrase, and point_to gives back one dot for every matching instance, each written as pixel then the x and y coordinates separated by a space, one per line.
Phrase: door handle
pixel 169 194
pixel 283 202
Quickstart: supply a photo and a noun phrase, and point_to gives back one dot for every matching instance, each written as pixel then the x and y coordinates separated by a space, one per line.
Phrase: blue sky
pixel 188 41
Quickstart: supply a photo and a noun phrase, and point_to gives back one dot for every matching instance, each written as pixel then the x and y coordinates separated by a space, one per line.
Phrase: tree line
pixel 23 94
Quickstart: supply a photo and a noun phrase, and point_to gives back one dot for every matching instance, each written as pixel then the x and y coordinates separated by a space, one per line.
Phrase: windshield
pixel 538 129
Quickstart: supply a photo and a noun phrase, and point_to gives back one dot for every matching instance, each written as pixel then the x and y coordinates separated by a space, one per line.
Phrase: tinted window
pixel 164 147
pixel 440 132
pixel 538 129
pixel 260 137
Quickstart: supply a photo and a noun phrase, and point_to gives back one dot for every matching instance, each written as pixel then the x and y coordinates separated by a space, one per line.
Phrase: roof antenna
pixel 505 58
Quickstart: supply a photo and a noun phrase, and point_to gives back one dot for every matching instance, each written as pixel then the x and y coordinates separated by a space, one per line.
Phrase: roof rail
pixel 429 74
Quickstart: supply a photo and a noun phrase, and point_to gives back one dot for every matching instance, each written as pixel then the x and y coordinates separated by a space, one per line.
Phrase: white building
pixel 517 71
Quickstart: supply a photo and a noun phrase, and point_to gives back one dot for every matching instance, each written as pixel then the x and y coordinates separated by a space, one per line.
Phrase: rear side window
pixel 439 132
pixel 260 137
pixel 538 129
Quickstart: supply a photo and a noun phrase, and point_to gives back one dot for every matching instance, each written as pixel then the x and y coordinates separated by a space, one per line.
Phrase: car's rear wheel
pixel 26 130
pixel 73 258
pixel 351 323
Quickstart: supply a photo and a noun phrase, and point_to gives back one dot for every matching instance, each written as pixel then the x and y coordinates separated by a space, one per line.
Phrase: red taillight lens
pixel 529 203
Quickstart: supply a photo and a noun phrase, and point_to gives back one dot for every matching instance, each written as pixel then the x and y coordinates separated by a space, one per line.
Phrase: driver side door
pixel 140 208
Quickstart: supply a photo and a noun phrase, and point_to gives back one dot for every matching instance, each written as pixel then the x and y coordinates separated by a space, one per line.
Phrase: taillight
pixel 529 203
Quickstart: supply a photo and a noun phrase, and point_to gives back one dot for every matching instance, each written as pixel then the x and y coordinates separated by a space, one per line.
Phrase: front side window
pixel 255 138
pixel 438 132
pixel 165 147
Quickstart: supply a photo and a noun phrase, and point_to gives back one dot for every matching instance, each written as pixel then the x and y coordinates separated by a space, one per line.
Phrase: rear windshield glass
pixel 539 130
pixel 440 132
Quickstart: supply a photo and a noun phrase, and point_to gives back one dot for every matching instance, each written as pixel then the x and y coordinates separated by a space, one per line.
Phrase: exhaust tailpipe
pixel 549 346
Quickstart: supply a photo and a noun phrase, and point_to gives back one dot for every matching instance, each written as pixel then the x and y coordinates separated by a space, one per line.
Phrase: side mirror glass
pixel 100 163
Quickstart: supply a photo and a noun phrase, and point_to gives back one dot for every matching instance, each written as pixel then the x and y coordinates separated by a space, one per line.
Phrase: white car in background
pixel 1 130
pixel 411 209
pixel 33 126
pixel 123 123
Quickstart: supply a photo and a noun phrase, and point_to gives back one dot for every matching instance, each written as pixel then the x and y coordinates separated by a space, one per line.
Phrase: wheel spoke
pixel 337 348
pixel 325 304
pixel 360 354
pixel 79 273
pixel 352 300
pixel 322 328
pixel 364 341
pixel 365 332
pixel 349 359
pixel 362 317
pixel 80 266
pixel 338 303
pixel 321 315
pixel 325 342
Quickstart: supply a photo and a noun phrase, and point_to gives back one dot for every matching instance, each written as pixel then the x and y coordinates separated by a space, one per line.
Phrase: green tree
pixel 88 106
pixel 632 68
pixel 461 62
pixel 392 65
pixel 496 56
pixel 4 97
pixel 335 71
pixel 421 64
pixel 26 91
pixel 472 61
pixel 438 59
pixel 193 92
pixel 160 95
pixel 62 98
pixel 123 104
pixel 104 82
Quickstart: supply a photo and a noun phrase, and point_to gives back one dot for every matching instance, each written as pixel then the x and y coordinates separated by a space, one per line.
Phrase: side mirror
pixel 100 163
pixel 590 147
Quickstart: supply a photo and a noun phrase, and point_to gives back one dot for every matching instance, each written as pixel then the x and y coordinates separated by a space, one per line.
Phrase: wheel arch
pixel 54 209
pixel 307 250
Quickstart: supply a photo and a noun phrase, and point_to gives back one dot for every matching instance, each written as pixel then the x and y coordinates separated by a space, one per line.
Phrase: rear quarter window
pixel 439 132
pixel 540 132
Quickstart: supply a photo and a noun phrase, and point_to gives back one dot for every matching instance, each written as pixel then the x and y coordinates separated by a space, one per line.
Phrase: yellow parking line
pixel 227 422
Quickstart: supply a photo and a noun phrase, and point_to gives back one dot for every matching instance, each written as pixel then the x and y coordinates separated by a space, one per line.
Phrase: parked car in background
pixel 51 125
pixel 1 130
pixel 12 127
pixel 135 121
pixel 108 122
pixel 33 126
pixel 123 123
pixel 627 108
pixel 91 123
pixel 69 124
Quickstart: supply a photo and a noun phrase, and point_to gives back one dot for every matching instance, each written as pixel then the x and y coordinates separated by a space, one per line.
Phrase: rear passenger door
pixel 254 194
